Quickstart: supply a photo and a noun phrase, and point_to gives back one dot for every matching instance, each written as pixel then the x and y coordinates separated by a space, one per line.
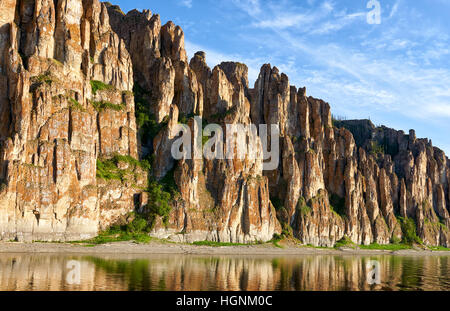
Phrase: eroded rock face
pixel 335 179
pixel 54 126
pixel 413 178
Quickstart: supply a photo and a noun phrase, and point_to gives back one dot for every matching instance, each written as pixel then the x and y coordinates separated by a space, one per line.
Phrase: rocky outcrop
pixel 414 178
pixel 55 125
pixel 75 74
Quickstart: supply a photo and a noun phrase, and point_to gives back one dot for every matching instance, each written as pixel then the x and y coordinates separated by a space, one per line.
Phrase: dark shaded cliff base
pixel 163 247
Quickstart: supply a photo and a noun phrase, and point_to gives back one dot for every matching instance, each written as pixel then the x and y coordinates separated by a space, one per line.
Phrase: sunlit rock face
pixel 51 132
pixel 335 179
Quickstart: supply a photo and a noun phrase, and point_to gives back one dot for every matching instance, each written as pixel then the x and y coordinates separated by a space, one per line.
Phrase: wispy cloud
pixel 394 9
pixel 186 3
pixel 285 20
pixel 321 20
pixel 397 73
pixel 389 69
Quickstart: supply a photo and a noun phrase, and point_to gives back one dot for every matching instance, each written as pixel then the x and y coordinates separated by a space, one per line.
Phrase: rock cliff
pixel 89 96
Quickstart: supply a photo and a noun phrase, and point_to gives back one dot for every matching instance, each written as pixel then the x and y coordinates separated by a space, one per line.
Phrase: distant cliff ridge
pixel 89 96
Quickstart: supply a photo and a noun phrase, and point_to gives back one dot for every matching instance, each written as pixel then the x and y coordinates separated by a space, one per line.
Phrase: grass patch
pixel 388 247
pixel 44 78
pixel 218 244
pixel 108 169
pixel 104 105
pixel 100 86
pixel 439 248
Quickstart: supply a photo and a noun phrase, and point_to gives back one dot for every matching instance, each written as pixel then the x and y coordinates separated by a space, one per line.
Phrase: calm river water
pixel 202 273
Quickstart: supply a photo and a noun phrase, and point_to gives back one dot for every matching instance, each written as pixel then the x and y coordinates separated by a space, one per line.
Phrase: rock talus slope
pixel 75 74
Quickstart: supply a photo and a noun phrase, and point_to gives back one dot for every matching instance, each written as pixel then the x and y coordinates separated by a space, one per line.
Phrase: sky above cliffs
pixel 397 72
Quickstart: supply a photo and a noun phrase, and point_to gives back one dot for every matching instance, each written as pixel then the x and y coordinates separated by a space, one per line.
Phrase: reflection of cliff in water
pixel 322 273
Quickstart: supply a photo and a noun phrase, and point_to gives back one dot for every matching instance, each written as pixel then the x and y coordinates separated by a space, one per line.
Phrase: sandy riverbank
pixel 161 248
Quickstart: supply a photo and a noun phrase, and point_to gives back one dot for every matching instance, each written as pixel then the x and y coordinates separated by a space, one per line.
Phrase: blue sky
pixel 397 72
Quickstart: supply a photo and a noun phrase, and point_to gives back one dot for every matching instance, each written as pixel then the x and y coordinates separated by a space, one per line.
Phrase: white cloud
pixel 322 20
pixel 337 24
pixel 283 21
pixel 186 3
pixel 390 71
pixel 394 9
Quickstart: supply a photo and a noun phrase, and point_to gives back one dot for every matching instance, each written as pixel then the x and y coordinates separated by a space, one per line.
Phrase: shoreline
pixel 162 248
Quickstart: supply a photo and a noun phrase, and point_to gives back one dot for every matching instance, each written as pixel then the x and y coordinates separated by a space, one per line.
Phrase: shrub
pixel 376 149
pixel 159 202
pixel 302 207
pixel 168 182
pixel 183 119
pixel 344 242
pixel 409 231
pixel 44 78
pixel 138 225
pixel 137 231
pixel 145 120
pixel 75 105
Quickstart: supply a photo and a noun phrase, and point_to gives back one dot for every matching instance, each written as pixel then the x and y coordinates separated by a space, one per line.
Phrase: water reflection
pixel 318 273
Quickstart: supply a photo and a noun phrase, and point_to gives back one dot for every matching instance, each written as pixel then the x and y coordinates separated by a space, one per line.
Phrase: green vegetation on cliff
pixel 345 242
pixel 302 207
pixel 409 231
pixel 75 105
pixel 104 105
pixel 376 149
pixel 100 86
pixel 146 122
pixel 137 230
pixel 108 169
